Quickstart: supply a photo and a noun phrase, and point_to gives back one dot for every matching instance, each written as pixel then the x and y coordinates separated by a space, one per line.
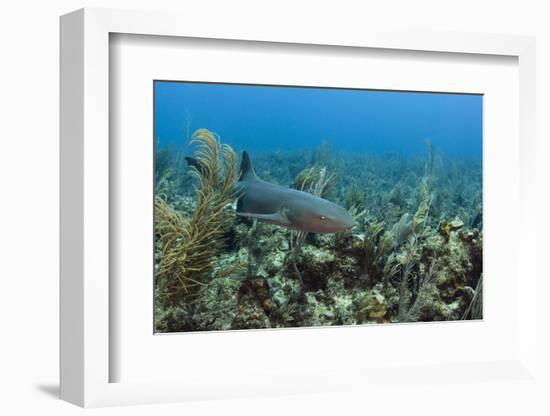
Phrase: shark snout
pixel 348 222
pixel 351 225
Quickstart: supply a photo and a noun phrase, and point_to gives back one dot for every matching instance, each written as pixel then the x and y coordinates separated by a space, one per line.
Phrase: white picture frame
pixel 85 212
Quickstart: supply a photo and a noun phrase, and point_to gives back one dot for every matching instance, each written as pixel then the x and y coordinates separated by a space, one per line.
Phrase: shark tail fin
pixel 247 170
pixel 191 161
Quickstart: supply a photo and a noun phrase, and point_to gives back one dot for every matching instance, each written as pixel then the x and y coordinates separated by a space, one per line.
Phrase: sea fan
pixel 402 230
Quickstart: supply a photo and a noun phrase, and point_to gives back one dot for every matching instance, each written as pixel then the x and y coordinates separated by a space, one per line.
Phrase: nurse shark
pixel 287 207
pixel 283 206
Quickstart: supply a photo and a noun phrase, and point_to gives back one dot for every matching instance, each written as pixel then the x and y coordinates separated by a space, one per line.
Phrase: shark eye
pixel 323 217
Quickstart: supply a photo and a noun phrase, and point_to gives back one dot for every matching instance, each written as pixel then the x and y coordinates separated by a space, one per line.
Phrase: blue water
pixel 270 118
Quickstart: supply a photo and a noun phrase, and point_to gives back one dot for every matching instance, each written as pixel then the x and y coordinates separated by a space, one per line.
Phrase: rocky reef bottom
pixel 263 281
pixel 414 255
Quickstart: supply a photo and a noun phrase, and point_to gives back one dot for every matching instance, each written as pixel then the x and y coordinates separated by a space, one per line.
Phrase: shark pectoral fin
pixel 276 217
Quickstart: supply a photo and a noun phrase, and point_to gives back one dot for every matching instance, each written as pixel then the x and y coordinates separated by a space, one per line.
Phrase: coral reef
pixel 415 254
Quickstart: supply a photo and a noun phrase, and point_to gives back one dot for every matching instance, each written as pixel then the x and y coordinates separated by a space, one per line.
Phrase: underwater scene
pixel 287 206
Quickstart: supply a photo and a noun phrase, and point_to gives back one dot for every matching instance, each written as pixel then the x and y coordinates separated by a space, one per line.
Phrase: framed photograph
pixel 271 212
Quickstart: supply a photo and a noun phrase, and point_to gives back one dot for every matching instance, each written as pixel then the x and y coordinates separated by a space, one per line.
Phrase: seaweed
pixel 420 299
pixel 313 177
pixel 475 308
pixel 376 244
pixel 421 215
pixel 355 198
pixel 188 246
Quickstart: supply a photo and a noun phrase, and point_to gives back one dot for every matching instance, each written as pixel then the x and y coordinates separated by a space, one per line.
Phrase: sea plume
pixel 189 246
pixel 315 180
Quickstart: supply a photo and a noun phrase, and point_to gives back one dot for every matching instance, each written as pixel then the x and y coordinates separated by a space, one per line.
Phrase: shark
pixel 286 207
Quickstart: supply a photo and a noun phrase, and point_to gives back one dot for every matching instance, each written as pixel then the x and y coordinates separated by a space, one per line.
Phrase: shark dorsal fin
pixel 247 170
